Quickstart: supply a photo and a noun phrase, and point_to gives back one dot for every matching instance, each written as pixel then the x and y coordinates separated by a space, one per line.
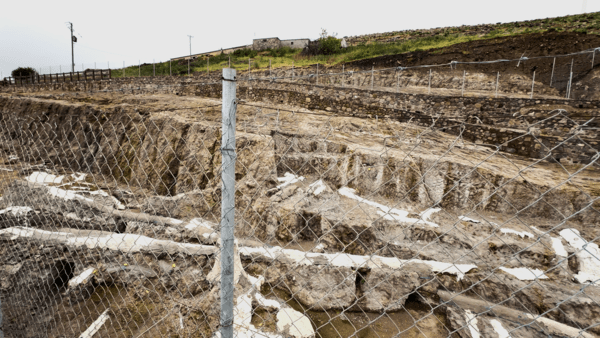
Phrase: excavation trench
pixel 353 230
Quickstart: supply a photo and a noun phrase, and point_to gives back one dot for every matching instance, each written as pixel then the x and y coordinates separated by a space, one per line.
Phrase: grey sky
pixel 34 33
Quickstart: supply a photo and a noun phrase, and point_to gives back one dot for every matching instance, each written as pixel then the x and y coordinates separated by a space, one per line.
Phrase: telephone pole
pixel 73 39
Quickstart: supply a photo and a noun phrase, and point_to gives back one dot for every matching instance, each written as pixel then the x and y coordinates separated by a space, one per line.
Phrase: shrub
pixel 330 45
pixel 23 71
pixel 245 52
pixel 280 52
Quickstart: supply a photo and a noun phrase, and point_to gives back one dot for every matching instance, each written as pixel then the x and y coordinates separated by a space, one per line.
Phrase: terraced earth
pixel 345 226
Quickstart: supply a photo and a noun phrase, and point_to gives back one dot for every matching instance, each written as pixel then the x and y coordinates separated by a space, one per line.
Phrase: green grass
pixel 409 41
pixel 261 61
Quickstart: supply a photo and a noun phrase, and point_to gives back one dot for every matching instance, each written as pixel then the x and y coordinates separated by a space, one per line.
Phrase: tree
pixel 326 45
pixel 23 71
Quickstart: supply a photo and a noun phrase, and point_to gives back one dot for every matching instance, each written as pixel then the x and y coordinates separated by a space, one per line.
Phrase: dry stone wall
pixel 485 120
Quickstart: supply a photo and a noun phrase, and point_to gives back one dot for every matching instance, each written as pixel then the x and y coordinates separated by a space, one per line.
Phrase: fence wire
pixel 548 76
pixel 344 226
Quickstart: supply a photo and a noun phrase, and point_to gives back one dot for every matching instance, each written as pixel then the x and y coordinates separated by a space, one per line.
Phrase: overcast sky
pixel 35 33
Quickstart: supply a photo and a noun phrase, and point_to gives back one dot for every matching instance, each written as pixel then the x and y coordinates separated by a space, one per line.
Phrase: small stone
pixel 294 324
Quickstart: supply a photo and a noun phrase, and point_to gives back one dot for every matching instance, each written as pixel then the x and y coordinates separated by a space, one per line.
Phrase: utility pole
pixel 73 40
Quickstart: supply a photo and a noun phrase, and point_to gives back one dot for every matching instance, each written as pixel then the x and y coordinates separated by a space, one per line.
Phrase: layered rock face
pixel 345 226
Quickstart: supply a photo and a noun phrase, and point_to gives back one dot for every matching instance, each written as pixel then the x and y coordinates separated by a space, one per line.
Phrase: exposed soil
pixel 379 178
pixel 514 47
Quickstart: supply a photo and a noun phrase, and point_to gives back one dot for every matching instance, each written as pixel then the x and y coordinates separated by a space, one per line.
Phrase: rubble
pixel 359 223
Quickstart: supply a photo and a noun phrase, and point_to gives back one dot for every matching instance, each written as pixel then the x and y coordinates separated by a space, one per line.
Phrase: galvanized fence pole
pixel 497 79
pixel 552 74
pixel 570 81
pixel 227 201
pixel 429 83
pixel 532 84
pixel 170 72
pixel 462 93
pixel 1 332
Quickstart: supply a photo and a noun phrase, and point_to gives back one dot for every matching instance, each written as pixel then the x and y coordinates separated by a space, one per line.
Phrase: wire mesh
pixel 562 75
pixel 345 226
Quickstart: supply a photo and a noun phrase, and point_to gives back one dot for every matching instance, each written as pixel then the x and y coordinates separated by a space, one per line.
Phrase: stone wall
pixel 262 44
pixel 492 121
pixel 295 43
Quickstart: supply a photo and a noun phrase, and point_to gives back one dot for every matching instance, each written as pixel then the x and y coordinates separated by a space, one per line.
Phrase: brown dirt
pixel 528 45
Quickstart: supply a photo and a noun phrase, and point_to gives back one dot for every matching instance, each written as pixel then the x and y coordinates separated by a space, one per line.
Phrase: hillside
pixel 365 47
pixel 588 23
pixel 375 195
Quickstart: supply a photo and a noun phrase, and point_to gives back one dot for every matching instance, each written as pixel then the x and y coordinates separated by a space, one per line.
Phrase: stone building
pixel 295 43
pixel 257 44
pixel 274 43
pixel 266 43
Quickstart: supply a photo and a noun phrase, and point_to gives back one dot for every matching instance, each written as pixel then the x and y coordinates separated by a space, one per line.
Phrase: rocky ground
pixel 345 226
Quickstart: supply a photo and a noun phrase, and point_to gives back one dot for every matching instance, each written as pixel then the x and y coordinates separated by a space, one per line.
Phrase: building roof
pixel 204 53
pixel 265 38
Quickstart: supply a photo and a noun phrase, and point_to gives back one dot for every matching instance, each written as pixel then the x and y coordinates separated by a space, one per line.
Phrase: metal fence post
pixel 570 81
pixel 532 84
pixel 227 201
pixel 497 79
pixel 429 83
pixel 462 93
pixel 1 332
pixel 552 74
pixel 170 72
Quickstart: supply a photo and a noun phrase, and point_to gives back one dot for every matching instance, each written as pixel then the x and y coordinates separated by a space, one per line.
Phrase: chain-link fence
pixel 113 220
pixel 568 76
